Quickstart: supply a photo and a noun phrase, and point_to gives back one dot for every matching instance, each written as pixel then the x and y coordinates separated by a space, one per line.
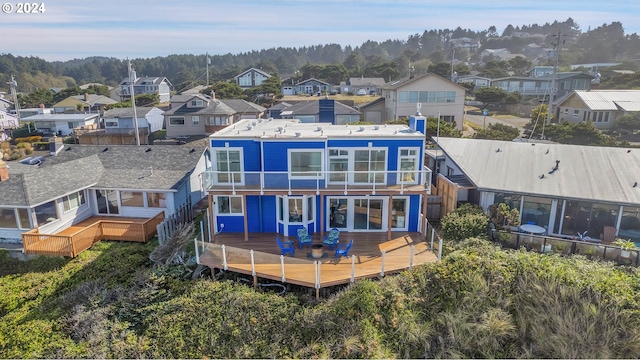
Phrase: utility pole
pixel 12 85
pixel 453 58
pixel 132 80
pixel 552 91
pixel 208 62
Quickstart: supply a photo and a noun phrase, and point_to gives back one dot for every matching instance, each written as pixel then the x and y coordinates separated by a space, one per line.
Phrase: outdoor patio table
pixel 532 229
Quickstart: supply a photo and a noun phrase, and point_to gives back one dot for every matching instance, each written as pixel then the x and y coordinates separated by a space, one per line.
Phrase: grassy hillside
pixel 478 302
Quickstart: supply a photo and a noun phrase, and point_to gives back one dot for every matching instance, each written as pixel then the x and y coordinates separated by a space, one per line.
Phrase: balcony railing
pixel 278 181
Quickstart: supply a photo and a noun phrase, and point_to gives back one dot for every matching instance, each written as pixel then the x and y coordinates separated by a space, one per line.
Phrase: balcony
pixel 278 182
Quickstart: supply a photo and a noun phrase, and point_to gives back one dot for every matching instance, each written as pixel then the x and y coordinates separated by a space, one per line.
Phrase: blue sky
pixel 144 28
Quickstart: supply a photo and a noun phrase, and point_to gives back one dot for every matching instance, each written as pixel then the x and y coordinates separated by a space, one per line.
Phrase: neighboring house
pixel 196 115
pixel 541 71
pixel 278 175
pixel 276 110
pixel 465 43
pixel 118 127
pixel 60 124
pixel 535 51
pixel 146 85
pixel 312 87
pixel 151 118
pixel 87 102
pixel 601 107
pixel 322 110
pixel 251 78
pixel 541 86
pixel 8 121
pixel 498 53
pixel 244 109
pixel 84 181
pixel 547 184
pixel 435 95
pixel 477 81
pixel 5 104
pixel 372 111
pixel 369 85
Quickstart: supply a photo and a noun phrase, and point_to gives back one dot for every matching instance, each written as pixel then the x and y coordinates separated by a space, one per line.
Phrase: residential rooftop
pixel 293 128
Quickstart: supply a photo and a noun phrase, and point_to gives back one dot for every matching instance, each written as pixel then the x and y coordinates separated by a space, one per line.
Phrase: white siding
pixel 195 181
pixel 11 236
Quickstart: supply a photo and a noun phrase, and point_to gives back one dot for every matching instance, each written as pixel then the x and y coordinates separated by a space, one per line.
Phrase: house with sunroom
pixel 601 107
pixel 566 189
pixel 278 175
pixel 121 184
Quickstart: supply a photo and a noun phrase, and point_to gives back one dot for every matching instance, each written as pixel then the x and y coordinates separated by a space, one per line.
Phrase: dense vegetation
pixel 480 302
pixel 391 59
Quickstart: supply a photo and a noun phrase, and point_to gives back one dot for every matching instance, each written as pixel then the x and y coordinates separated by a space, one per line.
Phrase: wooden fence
pixel 71 245
pixel 183 215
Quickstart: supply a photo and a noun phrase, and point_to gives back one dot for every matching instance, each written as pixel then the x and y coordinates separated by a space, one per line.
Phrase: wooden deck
pixel 81 236
pixel 366 257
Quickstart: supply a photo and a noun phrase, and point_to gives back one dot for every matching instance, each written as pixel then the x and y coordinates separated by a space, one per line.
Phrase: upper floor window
pixel 195 120
pixel 408 162
pixel 306 163
pixel 245 80
pixel 228 166
pixel 197 103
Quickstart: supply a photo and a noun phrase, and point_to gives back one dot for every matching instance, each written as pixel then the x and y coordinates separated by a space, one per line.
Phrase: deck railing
pixel 71 245
pixel 548 244
pixel 313 273
pixel 265 181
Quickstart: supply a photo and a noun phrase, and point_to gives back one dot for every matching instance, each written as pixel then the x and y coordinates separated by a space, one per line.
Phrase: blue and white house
pixel 277 175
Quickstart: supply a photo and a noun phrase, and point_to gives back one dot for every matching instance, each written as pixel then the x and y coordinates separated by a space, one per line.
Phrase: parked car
pixel 362 92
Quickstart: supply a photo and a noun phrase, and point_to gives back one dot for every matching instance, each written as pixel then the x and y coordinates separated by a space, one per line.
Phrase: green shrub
pixel 465 222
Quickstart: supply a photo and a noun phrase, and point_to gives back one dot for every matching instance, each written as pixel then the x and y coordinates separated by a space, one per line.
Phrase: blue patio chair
pixel 343 249
pixel 331 239
pixel 303 237
pixel 286 247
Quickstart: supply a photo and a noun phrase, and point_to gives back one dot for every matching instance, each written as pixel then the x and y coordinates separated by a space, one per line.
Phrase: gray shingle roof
pixel 76 167
pixel 216 107
pixel 243 106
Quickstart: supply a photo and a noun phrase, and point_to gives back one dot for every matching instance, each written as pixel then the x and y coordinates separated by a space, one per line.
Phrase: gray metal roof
pixel 603 174
pixel 363 81
pixel 127 112
pixel 627 100
pixel 60 117
pixel 76 167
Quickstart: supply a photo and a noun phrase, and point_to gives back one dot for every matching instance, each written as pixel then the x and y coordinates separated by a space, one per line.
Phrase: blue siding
pixel 414 212
pixel 253 213
pixel 276 152
pixel 269 214
pixel 231 223
pixel 250 148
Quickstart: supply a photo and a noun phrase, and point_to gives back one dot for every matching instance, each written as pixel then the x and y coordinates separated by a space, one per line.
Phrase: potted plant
pixel 625 247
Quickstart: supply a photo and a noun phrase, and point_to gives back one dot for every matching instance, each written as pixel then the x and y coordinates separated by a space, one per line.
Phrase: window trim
pixel 294 174
pixel 416 163
pixel 66 198
pixel 214 165
pixel 195 120
pixel 171 118
pixel 217 202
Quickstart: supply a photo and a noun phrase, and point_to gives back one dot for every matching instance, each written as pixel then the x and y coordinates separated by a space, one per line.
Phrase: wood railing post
pixel 224 260
pixel 353 268
pixel 382 268
pixel 413 249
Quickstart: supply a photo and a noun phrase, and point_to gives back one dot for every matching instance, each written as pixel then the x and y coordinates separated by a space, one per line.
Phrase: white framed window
pixel 73 201
pixel 197 103
pixel 306 163
pixel 576 113
pixel 229 205
pixel 195 120
pixel 111 123
pixel 338 165
pixel 176 120
pixel 369 166
pixel 228 166
pixel 408 163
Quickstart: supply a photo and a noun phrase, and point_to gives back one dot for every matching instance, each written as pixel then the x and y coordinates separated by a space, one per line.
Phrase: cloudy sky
pixel 143 28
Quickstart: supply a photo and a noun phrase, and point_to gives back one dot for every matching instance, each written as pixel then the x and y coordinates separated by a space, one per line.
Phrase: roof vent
pixel 249 127
pixel 192 151
pixel 148 149
pixel 280 128
pixel 270 119
pixel 319 128
pixel 377 127
pixel 105 149
pixel 361 128
pixel 298 134
pixel 254 123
